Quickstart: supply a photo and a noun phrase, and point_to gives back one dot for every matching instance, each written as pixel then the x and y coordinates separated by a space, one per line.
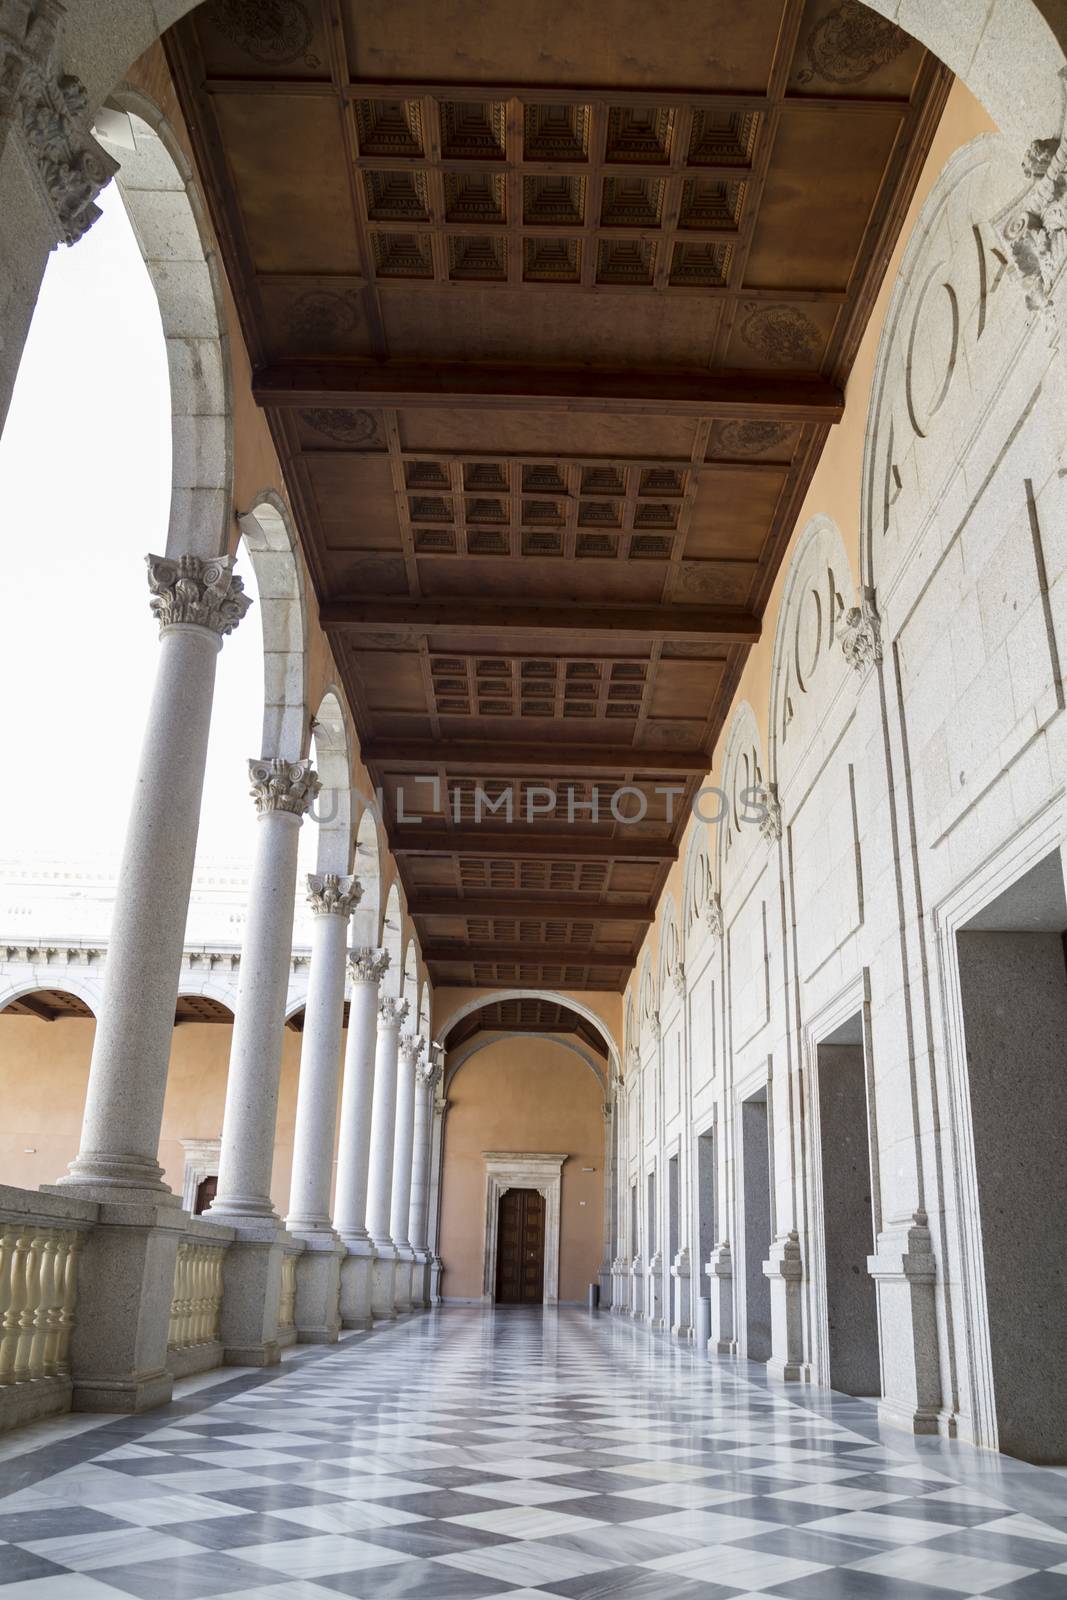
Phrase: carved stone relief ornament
pixel 49 111
pixel 711 911
pixel 273 32
pixel 391 1013
pixel 633 1059
pixel 850 43
pixel 1035 227
pixel 279 785
pixel 329 894
pixel 654 1024
pixel 678 979
pixel 860 633
pixel 771 822
pixel 367 966
pixel 205 593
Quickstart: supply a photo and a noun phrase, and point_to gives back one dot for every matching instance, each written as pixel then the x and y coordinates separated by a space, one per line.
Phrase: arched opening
pixel 366 923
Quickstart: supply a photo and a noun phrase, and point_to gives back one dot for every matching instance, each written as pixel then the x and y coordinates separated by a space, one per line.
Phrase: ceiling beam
pixel 463 755
pixel 37 1008
pixel 528 954
pixel 724 625
pixel 311 381
pixel 579 908
pixel 421 841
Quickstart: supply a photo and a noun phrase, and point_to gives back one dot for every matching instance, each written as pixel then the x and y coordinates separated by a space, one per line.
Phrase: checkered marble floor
pixel 465 1453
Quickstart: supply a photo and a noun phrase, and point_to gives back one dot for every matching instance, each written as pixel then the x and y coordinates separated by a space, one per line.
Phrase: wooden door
pixel 520 1248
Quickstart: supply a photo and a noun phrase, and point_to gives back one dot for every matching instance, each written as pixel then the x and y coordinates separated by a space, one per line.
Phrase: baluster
pixel 66 1313
pixel 46 1265
pixel 8 1308
pixel 60 1242
pixel 29 1274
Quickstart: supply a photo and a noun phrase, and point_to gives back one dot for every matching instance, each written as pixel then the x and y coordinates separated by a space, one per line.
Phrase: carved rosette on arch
pixel 860 633
pixel 49 110
pixel 367 966
pixel 771 822
pixel 192 591
pixel 391 1013
pixel 279 785
pixel 331 895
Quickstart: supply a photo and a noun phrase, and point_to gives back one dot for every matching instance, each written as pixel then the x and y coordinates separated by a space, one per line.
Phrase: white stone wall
pixel 914 771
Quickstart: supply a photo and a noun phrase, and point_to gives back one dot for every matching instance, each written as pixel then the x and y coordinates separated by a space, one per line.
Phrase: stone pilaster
pixel 409 1049
pixel 333 899
pixel 282 791
pixel 366 968
pixel 905 1272
pixel 681 1325
pixel 391 1014
pixel 720 1274
pixel 785 1271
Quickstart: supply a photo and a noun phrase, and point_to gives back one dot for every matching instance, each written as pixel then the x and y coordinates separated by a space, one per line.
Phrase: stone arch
pixel 409 983
pixel 496 995
pixel 647 1003
pixel 459 1060
pixel 699 890
pixel 671 951
pixel 391 942
pixel 816 596
pixel 743 780
pixel 83 990
pixel 268 536
pixel 167 215
pixel 425 1009
pixel 333 807
pixel 367 866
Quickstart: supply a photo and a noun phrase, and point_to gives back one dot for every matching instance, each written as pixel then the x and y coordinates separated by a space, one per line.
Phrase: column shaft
pixel 383 1123
pixel 333 900
pixel 410 1047
pixel 357 1096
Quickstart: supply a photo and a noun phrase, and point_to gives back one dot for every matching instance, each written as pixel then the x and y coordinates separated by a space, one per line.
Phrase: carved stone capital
pixel 633 1058
pixel 654 1024
pixel 711 912
pixel 410 1048
pixel 771 822
pixel 679 981
pixel 367 966
pixel 49 111
pixel 391 1013
pixel 860 633
pixel 279 785
pixel 191 590
pixel 330 895
pixel 429 1065
pixel 1035 227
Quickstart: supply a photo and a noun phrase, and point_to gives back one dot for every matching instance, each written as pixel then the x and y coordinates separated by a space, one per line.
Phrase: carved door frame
pixel 535 1169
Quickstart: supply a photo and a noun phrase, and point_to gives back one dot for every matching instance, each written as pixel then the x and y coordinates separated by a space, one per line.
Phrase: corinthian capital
pixel 367 966
pixel 330 895
pixel 391 1013
pixel 279 785
pixel 410 1047
pixel 207 593
pixel 428 1066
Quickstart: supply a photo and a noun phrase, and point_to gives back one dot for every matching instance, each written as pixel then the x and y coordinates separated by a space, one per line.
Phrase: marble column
pixel 427 1072
pixel 119 1354
pixel 366 968
pixel 391 1013
pixel 409 1051
pixel 196 603
pixel 332 899
pixel 282 791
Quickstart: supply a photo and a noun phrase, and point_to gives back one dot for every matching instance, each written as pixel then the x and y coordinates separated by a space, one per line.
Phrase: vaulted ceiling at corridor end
pixel 551 308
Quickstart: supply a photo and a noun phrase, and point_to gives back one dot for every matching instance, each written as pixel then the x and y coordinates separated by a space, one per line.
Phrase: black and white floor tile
pixel 466 1453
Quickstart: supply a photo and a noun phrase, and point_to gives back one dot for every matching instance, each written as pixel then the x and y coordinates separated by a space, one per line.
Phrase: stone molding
pixel 201 1161
pixel 48 109
pixel 367 966
pixel 331 895
pixel 391 1013
pixel 280 785
pixel 516 1169
pixel 195 592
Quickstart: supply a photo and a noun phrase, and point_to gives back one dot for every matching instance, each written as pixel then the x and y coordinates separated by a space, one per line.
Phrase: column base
pixel 317 1312
pixel 118 1351
pixel 383 1281
pixel 420 1280
pixel 252 1285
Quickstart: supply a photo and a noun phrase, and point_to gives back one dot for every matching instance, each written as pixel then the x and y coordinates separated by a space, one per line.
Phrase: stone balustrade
pixel 39 1241
pixel 193 1343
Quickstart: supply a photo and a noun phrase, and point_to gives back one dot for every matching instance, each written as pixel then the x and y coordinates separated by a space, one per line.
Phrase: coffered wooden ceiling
pixel 551 307
pixel 528 1015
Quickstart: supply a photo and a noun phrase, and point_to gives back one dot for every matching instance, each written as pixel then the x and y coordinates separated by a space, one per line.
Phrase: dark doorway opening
pixel 848 1212
pixel 756 1194
pixel 520 1255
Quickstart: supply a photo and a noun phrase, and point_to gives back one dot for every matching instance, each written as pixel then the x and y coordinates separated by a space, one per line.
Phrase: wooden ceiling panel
pixel 728 46
pixel 550 309
pixel 809 236
pixel 272 142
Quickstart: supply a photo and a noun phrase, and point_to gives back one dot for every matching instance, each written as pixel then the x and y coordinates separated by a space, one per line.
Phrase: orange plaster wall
pixel 523 1094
